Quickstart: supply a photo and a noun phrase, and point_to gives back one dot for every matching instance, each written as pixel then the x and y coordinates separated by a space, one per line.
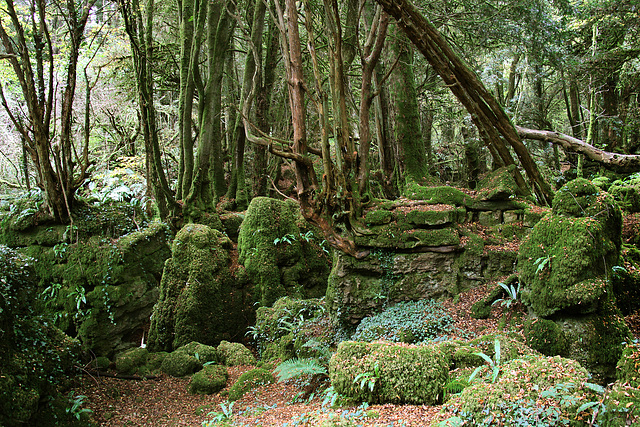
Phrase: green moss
pixel 378 217
pixel 249 380
pixel 437 195
pixel 628 367
pixel 280 252
pixel 627 197
pixel 482 309
pixel 546 337
pixel 154 360
pixel 282 348
pixel 211 379
pixel 419 217
pixel 622 409
pixel 130 361
pixel 406 236
pixel 233 354
pixel 406 374
pixel 231 223
pixel 179 364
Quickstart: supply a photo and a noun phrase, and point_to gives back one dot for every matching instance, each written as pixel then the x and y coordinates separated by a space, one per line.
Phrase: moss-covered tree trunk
pixel 411 151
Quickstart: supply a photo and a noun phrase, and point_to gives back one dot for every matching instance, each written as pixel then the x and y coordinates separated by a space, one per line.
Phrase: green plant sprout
pixel 494 364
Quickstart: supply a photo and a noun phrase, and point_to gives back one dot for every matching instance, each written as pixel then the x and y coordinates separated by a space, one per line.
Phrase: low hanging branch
pixel 622 163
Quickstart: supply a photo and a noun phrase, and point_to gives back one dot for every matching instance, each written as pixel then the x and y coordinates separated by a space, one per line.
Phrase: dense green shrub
pixel 409 322
pixel 249 380
pixel 234 353
pixel 211 379
pixel 392 372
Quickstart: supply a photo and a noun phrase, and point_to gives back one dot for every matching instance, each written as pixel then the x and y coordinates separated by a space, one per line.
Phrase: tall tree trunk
pixel 407 129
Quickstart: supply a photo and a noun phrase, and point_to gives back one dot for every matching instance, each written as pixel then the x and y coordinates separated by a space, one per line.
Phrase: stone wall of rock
pixel 437 242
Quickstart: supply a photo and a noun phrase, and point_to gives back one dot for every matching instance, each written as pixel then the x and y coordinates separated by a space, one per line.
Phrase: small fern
pixel 455 386
pixel 296 367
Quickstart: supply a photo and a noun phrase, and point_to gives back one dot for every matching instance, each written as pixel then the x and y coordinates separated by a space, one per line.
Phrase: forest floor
pixel 165 401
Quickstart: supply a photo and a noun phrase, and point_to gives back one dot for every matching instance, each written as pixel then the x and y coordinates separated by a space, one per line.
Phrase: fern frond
pixel 297 367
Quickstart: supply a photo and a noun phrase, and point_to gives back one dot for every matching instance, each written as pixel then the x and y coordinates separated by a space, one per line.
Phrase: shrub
pixel 411 321
pixel 404 373
pixel 248 381
pixel 211 379
pixel 233 353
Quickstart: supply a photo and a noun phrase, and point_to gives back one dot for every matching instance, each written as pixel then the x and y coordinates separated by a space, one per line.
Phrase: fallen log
pixel 622 163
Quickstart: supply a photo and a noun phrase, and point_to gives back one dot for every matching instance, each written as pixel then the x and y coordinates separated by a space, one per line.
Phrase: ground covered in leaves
pixel 165 401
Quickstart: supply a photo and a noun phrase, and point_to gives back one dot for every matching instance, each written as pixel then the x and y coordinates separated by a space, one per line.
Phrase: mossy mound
pixel 234 353
pixel 247 381
pixel 180 364
pixel 36 358
pixel 400 373
pixel 531 389
pixel 559 262
pixel 211 379
pixel 281 252
pixel 566 266
pixel 130 361
pixel 546 336
pixel 198 299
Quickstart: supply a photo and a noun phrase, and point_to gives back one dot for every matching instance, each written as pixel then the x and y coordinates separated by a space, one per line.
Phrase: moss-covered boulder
pixel 628 367
pixel 130 361
pixel 565 266
pixel 499 185
pixel 546 336
pixel 234 353
pixel 199 299
pixel 180 364
pixel 249 380
pixel 211 379
pixel 281 252
pixel 398 373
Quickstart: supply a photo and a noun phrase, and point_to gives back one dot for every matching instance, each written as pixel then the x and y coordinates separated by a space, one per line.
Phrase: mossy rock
pixel 628 367
pixel 546 337
pixel 432 218
pixel 130 361
pixel 499 185
pixel 198 296
pixel 281 252
pixel 406 373
pixel 521 381
pixel 628 197
pixel 154 360
pixel 249 380
pixel 378 217
pixel 282 348
pixel 274 322
pixel 562 261
pixel 438 195
pixel 621 401
pixel 180 364
pixel 234 353
pixel 211 379
pixel 231 223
